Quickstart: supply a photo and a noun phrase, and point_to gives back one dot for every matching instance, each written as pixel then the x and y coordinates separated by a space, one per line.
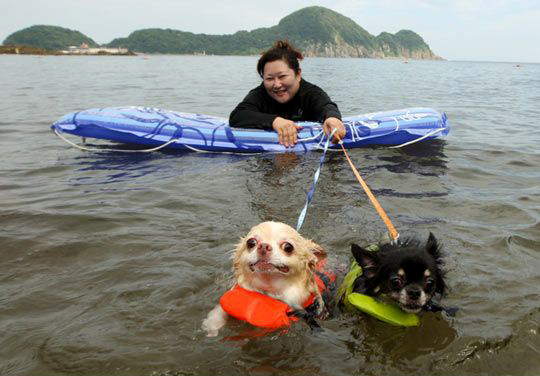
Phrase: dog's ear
pixel 316 249
pixel 368 261
pixel 432 246
pixel 240 246
pixel 434 249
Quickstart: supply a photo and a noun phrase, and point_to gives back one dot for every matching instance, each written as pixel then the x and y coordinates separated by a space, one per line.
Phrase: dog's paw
pixel 324 314
pixel 320 308
pixel 210 329
pixel 214 321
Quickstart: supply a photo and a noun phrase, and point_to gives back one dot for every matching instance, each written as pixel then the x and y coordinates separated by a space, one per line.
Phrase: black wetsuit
pixel 258 109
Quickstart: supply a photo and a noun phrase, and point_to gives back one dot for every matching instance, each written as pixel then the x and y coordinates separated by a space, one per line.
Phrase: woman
pixel 284 98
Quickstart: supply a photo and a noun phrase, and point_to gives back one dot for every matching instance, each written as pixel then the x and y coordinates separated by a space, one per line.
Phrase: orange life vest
pixel 265 312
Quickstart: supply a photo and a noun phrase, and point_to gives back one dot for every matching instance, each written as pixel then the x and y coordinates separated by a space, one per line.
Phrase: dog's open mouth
pixel 411 308
pixel 264 266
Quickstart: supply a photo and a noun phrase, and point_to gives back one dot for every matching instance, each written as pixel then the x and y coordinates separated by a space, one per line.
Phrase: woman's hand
pixel 287 131
pixel 330 124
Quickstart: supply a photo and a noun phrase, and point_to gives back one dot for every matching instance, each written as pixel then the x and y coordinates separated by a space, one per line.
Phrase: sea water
pixel 109 262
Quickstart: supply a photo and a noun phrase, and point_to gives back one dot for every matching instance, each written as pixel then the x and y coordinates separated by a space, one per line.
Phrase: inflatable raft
pixel 156 128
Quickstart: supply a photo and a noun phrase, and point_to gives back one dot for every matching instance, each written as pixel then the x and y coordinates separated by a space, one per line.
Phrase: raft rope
pixel 418 139
pixel 219 152
pixel 229 152
pixel 148 150
pixel 116 150
pixel 315 179
pixel 353 131
pixel 394 235
pixel 311 138
pixel 170 142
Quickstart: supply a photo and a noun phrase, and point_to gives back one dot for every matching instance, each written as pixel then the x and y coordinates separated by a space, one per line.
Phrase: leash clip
pixel 396 240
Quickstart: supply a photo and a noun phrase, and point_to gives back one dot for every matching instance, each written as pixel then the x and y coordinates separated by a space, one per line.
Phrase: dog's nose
pixel 414 292
pixel 264 248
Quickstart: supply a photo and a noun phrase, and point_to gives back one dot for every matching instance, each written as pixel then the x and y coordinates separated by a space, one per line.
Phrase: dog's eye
pixel 252 242
pixel 429 284
pixel 287 247
pixel 396 283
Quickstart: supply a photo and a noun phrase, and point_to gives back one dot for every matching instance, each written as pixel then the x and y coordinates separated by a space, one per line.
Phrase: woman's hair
pixel 281 50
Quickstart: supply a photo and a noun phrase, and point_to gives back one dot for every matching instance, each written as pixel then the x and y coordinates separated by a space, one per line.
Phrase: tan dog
pixel 275 260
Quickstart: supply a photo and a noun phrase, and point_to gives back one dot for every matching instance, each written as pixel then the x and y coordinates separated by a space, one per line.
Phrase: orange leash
pixel 393 233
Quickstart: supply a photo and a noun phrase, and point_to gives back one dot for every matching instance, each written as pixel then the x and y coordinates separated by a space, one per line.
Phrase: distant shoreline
pixel 27 50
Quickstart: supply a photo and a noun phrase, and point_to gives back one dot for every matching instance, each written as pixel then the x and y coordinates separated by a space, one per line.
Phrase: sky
pixel 473 30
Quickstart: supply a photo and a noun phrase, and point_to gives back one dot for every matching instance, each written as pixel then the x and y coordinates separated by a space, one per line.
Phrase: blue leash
pixel 315 179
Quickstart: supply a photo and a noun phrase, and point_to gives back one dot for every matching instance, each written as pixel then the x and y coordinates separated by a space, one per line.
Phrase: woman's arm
pixel 327 112
pixel 249 113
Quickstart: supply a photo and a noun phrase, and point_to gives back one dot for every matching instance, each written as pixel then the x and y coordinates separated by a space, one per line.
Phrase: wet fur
pixel 410 273
pixel 268 268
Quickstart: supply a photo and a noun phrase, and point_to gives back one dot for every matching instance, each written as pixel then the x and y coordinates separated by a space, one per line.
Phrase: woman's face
pixel 280 81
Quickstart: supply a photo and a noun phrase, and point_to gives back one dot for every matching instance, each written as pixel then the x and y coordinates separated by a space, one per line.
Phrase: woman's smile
pixel 280 81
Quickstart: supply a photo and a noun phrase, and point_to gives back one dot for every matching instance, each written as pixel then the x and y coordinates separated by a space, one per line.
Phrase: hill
pixel 317 31
pixel 48 37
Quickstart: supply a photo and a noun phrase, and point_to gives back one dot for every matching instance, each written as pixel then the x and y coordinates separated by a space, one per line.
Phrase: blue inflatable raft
pixel 156 128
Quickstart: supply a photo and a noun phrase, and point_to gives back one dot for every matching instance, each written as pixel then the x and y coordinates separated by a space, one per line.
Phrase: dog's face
pixel 410 273
pixel 276 260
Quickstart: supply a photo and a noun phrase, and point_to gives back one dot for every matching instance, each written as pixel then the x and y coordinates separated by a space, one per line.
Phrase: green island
pixel 317 31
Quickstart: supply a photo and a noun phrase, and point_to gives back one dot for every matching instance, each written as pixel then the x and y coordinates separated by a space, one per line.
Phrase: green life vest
pixel 387 312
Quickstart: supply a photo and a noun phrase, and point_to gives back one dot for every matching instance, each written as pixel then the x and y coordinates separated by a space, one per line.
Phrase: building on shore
pixel 84 49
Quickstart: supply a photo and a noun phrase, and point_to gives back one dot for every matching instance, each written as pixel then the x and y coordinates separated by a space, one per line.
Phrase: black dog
pixel 410 273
